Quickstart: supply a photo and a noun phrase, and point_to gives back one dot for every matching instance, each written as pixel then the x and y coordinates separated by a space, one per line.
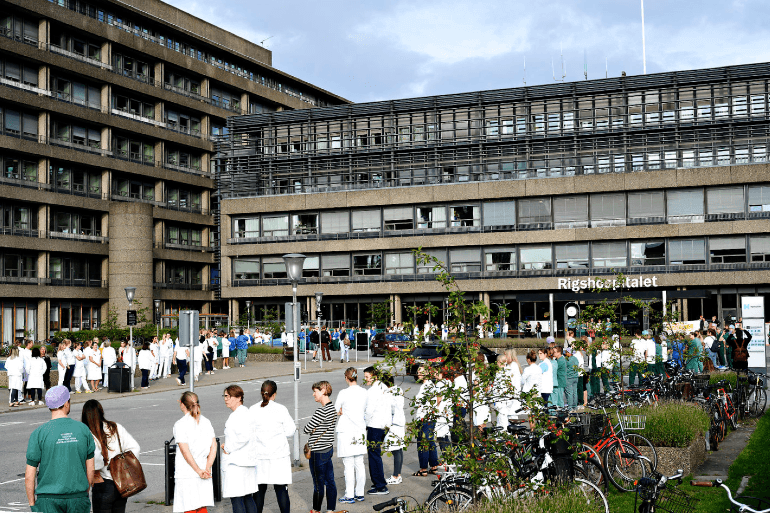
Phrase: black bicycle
pixel 657 493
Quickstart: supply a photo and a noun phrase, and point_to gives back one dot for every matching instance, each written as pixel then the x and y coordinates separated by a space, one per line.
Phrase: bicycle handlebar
pixel 742 508
pixel 382 505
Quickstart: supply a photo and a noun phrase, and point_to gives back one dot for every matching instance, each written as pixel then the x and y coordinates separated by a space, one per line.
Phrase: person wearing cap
pixel 60 453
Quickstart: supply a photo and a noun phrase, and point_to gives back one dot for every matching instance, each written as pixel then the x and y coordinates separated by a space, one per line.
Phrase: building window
pixel 760 248
pixel 465 260
pixel 608 255
pixel 500 259
pixel 570 212
pixel 133 189
pixel 133 106
pixel 685 206
pixel 727 250
pixel 19 124
pixel 366 220
pixel 304 224
pixel 335 222
pixel 275 226
pixel 183 236
pixel 76 224
pixel 246 269
pixel 184 123
pixel 500 213
pixel 646 207
pixel 399 218
pixel 183 199
pixel 246 227
pixel 367 264
pixel 75 181
pixel 571 256
pixel 132 149
pixel 428 267
pixel 465 215
pixel 18 169
pixel 535 258
pixel 335 265
pixel 535 212
pixel 311 267
pixel 725 200
pixel 399 263
pixel 687 252
pixel 759 198
pixel 645 254
pixel 431 217
pixel 608 210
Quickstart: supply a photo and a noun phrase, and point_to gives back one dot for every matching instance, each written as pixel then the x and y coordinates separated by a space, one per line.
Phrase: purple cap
pixel 550 339
pixel 56 397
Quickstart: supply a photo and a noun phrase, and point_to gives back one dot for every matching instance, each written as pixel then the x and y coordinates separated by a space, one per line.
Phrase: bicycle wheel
pixel 591 470
pixel 592 493
pixel 646 448
pixel 450 500
pixel 622 471
pixel 757 402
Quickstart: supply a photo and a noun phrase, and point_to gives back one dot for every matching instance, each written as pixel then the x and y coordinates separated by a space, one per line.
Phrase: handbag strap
pixel 311 435
pixel 120 447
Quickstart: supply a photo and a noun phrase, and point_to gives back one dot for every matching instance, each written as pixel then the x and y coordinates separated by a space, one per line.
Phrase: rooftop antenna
pixel 644 56
pixel 563 67
pixel 262 43
pixel 525 72
pixel 585 64
pixel 606 68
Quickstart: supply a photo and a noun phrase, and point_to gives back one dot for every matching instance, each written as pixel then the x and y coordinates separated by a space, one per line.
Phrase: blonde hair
pixel 513 357
pixel 190 401
pixel 14 353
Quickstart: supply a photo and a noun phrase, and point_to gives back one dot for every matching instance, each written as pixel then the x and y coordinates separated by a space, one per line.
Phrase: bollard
pixel 170 460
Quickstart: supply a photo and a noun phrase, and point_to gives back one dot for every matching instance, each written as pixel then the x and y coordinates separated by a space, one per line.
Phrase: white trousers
pixel 106 377
pixel 80 384
pixel 345 353
pixel 61 376
pixel 164 366
pixel 355 478
pixel 154 369
pixel 502 420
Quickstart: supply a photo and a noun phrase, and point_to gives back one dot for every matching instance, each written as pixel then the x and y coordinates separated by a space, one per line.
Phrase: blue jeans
pixel 714 357
pixel 281 495
pixel 145 378
pixel 426 445
pixel 322 472
pixel 182 366
pixel 243 504
pixel 107 499
pixel 375 436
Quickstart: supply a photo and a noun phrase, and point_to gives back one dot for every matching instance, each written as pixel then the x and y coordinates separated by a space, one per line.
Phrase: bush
pixel 673 424
pixel 563 501
pixel 264 349
pixel 730 376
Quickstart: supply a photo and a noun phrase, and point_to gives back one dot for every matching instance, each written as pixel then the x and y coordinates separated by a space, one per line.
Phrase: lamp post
pixel 294 263
pixel 130 292
pixel 157 318
pixel 248 315
pixel 318 297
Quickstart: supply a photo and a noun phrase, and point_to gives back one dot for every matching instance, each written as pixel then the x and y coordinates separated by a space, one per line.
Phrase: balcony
pixel 77 282
pixel 19 232
pixel 75 146
pixel 78 236
pixel 182 286
pixel 30 183
pixel 184 92
pixel 25 87
pixel 185 169
pixel 23 280
pixel 76 56
pixel 185 247
pixel 128 197
pixel 137 117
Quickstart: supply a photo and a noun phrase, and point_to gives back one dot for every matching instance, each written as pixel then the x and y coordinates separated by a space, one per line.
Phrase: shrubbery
pixel 673 424
pixel 568 501
pixel 263 349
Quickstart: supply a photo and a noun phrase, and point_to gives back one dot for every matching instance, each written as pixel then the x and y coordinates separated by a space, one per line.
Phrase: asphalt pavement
pixel 149 415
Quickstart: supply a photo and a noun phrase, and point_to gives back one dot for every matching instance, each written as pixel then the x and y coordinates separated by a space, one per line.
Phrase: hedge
pixel 672 424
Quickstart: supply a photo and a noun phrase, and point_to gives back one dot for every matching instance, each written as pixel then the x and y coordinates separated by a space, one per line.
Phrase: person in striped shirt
pixel 321 428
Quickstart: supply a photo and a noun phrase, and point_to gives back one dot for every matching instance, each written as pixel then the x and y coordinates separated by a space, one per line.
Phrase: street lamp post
pixel 294 263
pixel 157 318
pixel 130 291
pixel 318 297
pixel 248 315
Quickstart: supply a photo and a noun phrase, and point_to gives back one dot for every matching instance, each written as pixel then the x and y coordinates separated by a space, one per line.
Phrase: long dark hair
pixel 268 389
pixel 101 428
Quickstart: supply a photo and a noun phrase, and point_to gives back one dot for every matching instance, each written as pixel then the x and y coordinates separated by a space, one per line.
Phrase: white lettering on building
pixel 590 283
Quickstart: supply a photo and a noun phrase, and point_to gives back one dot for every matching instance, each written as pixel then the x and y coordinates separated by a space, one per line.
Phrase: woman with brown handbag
pixel 111 439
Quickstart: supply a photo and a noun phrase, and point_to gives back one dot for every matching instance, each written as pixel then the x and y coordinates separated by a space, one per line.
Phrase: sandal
pixel 433 471
pixel 421 473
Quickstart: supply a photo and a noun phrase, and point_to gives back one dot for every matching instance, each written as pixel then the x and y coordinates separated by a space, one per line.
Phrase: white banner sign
pixel 753 313
pixel 753 307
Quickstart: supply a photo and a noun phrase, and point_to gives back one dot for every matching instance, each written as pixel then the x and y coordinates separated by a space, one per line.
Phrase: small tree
pixel 380 314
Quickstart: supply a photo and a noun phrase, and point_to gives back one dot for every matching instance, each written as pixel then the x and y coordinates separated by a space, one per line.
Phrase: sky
pixel 365 51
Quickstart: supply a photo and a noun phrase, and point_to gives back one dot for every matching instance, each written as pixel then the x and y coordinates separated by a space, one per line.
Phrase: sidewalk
pixel 252 371
pixel 717 464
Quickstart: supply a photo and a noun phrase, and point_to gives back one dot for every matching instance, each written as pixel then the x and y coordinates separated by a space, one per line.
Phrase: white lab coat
pixel 395 437
pixel 190 491
pixel 127 443
pixel 351 426
pixel 15 370
pixel 272 425
pixel 377 412
pixel 239 473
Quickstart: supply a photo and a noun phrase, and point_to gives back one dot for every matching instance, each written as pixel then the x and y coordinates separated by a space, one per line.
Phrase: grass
pixel 560 502
pixel 730 376
pixel 263 349
pixel 673 424
pixel 753 461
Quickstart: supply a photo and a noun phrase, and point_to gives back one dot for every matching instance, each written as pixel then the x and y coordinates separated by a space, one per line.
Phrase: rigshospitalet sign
pixel 576 285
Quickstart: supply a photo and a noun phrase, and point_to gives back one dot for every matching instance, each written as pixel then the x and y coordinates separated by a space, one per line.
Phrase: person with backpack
pixel 740 346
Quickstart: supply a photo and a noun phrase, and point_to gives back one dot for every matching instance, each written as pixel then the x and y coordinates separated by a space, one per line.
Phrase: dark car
pixel 384 342
pixel 430 354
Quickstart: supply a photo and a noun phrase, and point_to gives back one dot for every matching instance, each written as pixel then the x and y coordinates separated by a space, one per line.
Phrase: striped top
pixel 321 428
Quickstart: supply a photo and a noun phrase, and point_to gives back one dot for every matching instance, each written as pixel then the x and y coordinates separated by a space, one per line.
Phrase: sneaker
pixel 179 381
pixel 381 491
pixel 359 498
pixel 392 480
pixel 341 361
pixel 347 500
pixel 41 403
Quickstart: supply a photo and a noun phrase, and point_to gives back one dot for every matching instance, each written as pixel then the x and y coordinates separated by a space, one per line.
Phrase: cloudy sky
pixel 369 51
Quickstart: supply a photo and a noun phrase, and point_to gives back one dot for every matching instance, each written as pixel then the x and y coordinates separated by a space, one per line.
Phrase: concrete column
pixel 106 52
pixel 105 225
pixel 225 271
pixel 105 270
pixel 312 311
pixel 160 156
pixel 159 233
pixel 159 271
pixel 160 191
pixel 206 88
pixel 106 178
pixel 43 32
pixel 42 264
pixel 206 126
pixel 106 135
pixel 206 200
pixel 43 170
pixel 43 221
pixel 160 112
pixel 44 78
pixel 245 103
pixel 160 73
pixel 131 262
pixel 106 98
pixel 43 125
pixel 397 308
pixel 43 315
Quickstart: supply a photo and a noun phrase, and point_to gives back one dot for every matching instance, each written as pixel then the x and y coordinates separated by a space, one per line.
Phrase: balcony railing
pixel 184 92
pixel 78 236
pixel 137 117
pixel 23 280
pixel 138 199
pixel 23 182
pixel 72 55
pixel 77 282
pixel 19 232
pixel 182 286
pixel 26 87
pixel 514 273
pixel 75 146
pixel 183 169
pixel 185 247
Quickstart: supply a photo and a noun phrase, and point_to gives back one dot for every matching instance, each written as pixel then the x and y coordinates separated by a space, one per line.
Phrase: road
pixel 150 419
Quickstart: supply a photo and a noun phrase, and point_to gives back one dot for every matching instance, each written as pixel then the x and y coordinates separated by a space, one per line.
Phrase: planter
pixel 671 459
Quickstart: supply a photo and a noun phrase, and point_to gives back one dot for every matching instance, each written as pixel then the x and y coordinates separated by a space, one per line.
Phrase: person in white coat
pixel 546 382
pixel 155 351
pixel 145 361
pixel 351 436
pixel 378 418
pixel 506 391
pixel 531 378
pixel 35 383
pixel 61 362
pixel 128 357
pixel 426 404
pixel 273 425
pixel 14 367
pixel 196 450
pixel 394 440
pixel 93 363
pixel 109 358
pixel 25 352
pixel 81 384
pixel 110 439
pixel 239 454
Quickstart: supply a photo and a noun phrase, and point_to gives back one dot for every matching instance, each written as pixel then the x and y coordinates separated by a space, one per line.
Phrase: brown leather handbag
pixel 127 473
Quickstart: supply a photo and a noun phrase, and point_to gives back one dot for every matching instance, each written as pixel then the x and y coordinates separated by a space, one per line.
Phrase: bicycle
pixel 398 503
pixel 742 508
pixel 754 398
pixel 655 493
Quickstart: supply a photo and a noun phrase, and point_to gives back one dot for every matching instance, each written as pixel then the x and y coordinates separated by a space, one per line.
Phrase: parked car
pixel 384 342
pixel 431 354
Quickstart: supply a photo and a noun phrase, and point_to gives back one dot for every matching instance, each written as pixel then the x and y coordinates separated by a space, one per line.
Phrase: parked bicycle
pixel 761 505
pixel 656 493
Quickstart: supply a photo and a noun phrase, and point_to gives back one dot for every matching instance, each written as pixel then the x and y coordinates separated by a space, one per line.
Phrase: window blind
pixel 685 203
pixel 608 206
pixel 499 213
pixel 645 204
pixel 725 200
pixel 572 208
pixel 335 222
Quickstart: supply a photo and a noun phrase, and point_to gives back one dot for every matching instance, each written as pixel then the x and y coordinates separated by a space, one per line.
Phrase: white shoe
pixel 392 480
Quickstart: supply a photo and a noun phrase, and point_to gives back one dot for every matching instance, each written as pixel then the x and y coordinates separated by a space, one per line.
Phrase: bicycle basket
pixel 701 381
pixel 589 425
pixel 674 500
pixel 632 422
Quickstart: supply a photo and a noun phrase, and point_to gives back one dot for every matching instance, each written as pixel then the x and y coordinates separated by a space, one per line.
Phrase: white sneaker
pixel 392 480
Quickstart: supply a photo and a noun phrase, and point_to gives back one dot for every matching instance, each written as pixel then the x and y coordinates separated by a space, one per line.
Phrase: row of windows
pixel 19 28
pixel 181 46
pixel 18 72
pixel 19 320
pixel 76 223
pixel 570 257
pixel 690 205
pixel 15 265
pixel 183 236
pixel 18 219
pixel 18 123
pixel 79 271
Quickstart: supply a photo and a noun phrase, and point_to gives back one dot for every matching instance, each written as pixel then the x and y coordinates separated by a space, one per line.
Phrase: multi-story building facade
pixel 108 115
pixel 529 195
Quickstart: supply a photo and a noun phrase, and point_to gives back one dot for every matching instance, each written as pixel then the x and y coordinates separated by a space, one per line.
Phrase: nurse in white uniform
pixel 239 454
pixel 197 446
pixel 272 424
pixel 351 436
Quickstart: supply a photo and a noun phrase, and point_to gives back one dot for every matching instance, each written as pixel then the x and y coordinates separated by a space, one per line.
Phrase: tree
pixel 380 314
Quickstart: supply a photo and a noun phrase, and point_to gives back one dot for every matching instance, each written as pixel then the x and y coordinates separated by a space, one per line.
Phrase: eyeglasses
pixel 226 396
